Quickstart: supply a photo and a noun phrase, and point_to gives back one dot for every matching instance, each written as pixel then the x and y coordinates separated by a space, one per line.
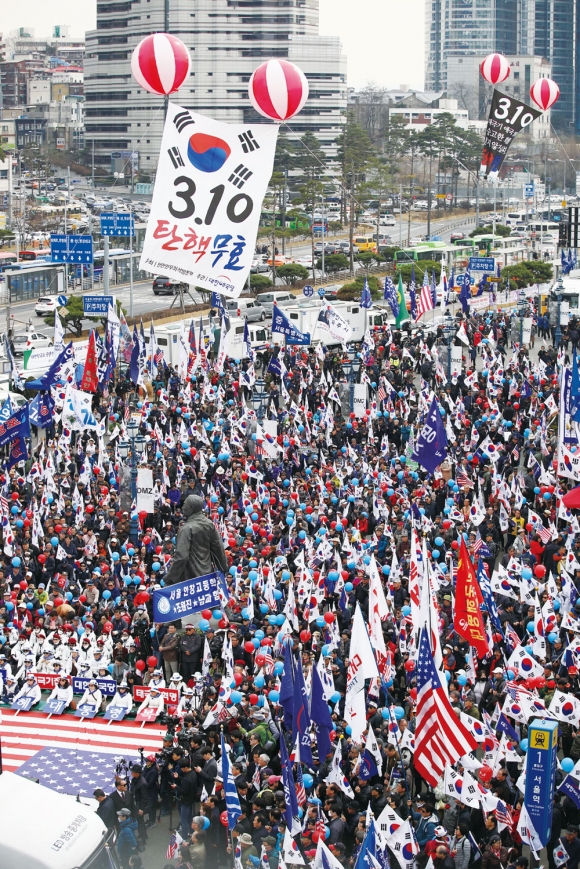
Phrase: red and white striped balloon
pixel 278 89
pixel 544 93
pixel 495 68
pixel 160 63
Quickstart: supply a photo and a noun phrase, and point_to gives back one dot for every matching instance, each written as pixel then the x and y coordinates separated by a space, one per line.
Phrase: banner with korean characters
pixel 211 180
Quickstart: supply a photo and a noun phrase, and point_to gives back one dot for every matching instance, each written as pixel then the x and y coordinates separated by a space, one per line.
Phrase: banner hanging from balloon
pixel 211 180
pixel 507 117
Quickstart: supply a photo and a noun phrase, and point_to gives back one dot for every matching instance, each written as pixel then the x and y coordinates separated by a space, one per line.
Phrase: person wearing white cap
pixel 176 682
pixel 92 696
pixel 157 680
pixel 123 697
pixel 154 700
pixel 186 702
pixel 30 689
pixel 62 690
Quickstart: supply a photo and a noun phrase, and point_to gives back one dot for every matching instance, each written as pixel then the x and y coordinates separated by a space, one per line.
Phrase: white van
pixel 513 217
pixel 281 297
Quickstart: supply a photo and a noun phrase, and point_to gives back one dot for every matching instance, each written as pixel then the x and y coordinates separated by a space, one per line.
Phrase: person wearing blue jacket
pixel 126 841
pixel 428 820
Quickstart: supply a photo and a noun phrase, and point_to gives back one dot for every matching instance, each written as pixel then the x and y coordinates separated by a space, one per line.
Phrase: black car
pixel 168 286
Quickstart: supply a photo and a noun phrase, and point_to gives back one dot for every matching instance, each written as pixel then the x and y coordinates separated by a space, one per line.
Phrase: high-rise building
pixel 540 30
pixel 227 40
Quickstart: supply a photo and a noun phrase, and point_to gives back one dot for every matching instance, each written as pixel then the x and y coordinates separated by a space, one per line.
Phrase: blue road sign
pixel 541 761
pixel 62 300
pixel 117 223
pixel 308 290
pixel 528 189
pixel 71 248
pixel 98 305
pixel 482 264
pixel 321 292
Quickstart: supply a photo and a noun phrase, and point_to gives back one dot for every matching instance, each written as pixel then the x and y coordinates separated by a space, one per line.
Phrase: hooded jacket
pixel 199 547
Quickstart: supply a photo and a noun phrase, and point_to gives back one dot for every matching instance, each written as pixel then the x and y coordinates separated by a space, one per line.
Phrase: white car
pixel 30 341
pixel 46 305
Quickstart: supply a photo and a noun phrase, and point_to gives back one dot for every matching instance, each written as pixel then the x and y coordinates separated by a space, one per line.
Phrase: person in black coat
pixel 106 810
pixel 122 799
pixel 140 795
pixel 151 776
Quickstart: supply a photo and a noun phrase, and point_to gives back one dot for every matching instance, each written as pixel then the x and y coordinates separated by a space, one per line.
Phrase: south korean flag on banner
pixel 211 180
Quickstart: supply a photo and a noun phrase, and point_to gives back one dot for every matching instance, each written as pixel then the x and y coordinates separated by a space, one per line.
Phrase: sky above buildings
pixel 383 39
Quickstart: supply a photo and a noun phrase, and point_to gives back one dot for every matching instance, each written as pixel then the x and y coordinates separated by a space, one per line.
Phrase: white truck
pixel 304 316
pixel 42 829
pixel 167 337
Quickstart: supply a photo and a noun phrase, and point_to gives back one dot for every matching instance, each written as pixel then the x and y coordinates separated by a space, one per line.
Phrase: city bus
pixel 427 250
pixel 538 228
pixel 28 256
pixel 7 258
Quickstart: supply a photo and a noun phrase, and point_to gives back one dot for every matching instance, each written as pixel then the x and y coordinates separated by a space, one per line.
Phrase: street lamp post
pixel 448 331
pixel 521 312
pixel 558 331
pixel 129 447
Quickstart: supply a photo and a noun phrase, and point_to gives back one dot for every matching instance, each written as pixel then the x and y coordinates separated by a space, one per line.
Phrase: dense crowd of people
pixel 308 502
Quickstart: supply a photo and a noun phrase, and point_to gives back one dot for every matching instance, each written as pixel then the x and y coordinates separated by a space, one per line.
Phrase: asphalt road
pixel 144 302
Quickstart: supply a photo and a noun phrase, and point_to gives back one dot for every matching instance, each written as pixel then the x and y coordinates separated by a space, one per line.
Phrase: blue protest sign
pixel 54 706
pixel 541 761
pixel 115 713
pixel 431 444
pixel 308 291
pixel 23 704
pixel 482 264
pixel 117 223
pixel 86 711
pixel 71 248
pixel 107 687
pixel 191 596
pixel 98 305
pixel 282 325
pixel 18 425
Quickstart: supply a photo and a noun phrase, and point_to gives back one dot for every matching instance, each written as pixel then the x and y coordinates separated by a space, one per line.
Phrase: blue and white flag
pixel 50 378
pixel 40 410
pixel 247 340
pixel 6 410
pixel 366 300
pixel 390 296
pixel 16 426
pixel 282 325
pixel 431 443
pixel 233 807
pixel 292 814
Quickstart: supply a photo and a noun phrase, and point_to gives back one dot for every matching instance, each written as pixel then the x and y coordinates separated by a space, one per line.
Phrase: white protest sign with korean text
pixel 207 201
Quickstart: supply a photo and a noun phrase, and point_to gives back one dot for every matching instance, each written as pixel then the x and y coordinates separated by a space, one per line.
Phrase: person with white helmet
pixel 176 683
pixel 28 666
pixel 186 702
pixel 123 697
pixel 30 688
pixel 4 665
pixel 157 680
pixel 154 700
pixel 63 690
pixel 10 689
pixel 45 663
pixel 92 696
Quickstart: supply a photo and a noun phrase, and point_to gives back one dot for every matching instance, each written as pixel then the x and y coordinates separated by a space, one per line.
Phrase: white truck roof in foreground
pixel 42 829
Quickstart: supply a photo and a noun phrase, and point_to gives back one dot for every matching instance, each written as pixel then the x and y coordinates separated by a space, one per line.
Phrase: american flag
pixel 32 737
pixel 381 392
pixel 516 454
pixel 320 821
pixel 462 479
pixel 440 739
pixel 425 302
pixel 479 548
pixel 300 789
pixel 504 815
pixel 511 638
pixel 544 533
pixel 158 357
pixel 517 692
pixel 174 843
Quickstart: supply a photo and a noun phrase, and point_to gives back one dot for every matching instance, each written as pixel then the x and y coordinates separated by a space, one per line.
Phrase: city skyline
pixel 374 53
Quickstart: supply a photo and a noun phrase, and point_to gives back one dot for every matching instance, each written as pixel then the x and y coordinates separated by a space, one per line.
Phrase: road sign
pixel 321 292
pixel 529 189
pixel 491 279
pixel 541 761
pixel 482 264
pixel 98 305
pixel 71 248
pixel 117 223
pixel 449 197
pixel 63 311
pixel 308 291
pixel 440 196
pixel 62 300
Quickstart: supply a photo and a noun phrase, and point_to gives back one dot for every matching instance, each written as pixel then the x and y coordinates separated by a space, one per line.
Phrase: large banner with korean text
pixel 211 180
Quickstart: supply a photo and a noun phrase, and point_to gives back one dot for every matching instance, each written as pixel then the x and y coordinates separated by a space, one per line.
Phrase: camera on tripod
pixel 170 721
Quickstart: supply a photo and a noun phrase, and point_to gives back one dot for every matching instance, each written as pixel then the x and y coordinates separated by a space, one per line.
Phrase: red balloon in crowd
pixel 160 63
pixel 485 773
pixel 152 661
pixel 140 665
